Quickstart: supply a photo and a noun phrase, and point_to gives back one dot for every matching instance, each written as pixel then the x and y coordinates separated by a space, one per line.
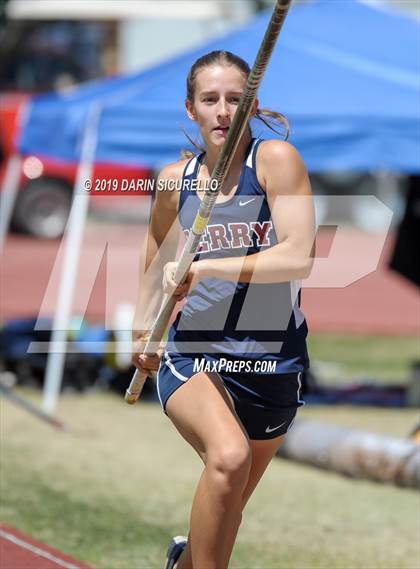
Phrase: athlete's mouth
pixel 221 129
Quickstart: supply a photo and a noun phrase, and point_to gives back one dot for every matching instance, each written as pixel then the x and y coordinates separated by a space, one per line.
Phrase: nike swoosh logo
pixel 248 201
pixel 271 429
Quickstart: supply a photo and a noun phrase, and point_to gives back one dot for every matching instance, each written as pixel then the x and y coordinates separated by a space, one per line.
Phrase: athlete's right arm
pixel 159 247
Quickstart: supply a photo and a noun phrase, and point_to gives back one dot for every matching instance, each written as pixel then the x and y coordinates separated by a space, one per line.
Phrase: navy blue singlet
pixel 221 318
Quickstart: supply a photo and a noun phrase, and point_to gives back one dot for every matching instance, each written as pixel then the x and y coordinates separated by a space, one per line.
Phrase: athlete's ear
pixel 190 110
pixel 254 108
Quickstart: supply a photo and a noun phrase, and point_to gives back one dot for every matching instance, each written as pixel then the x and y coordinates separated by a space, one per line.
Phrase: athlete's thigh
pixel 262 454
pixel 203 413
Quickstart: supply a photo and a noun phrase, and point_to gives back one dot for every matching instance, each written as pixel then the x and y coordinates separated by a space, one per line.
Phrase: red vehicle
pixel 46 186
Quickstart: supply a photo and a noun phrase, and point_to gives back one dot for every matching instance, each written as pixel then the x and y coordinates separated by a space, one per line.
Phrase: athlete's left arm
pixel 282 174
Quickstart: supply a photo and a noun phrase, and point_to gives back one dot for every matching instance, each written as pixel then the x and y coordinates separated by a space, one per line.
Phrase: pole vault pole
pixel 220 171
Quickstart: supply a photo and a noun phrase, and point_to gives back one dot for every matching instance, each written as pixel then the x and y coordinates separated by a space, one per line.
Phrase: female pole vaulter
pixel 229 378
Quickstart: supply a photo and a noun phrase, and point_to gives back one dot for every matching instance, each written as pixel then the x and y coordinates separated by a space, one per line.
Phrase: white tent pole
pixel 73 241
pixel 8 193
pixel 11 179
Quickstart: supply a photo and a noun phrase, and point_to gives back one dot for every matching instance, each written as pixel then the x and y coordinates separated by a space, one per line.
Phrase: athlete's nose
pixel 223 109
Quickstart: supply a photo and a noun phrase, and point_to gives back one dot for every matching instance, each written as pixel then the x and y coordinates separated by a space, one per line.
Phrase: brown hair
pixel 219 57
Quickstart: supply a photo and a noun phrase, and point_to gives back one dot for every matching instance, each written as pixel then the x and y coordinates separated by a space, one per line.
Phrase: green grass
pixel 384 358
pixel 115 489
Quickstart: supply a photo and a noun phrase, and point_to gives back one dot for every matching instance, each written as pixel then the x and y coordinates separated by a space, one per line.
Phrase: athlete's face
pixel 218 89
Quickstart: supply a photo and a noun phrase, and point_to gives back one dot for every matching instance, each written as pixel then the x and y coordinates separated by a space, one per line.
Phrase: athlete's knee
pixel 230 465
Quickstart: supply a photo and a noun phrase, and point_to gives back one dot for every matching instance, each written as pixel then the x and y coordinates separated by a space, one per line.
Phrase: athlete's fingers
pixel 148 363
pixel 180 291
pixel 140 366
pixel 168 281
pixel 145 363
pixel 169 285
pixel 137 349
pixel 176 291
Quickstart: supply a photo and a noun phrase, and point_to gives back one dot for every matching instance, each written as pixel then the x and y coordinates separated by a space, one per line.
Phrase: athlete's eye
pixel 235 100
pixel 209 99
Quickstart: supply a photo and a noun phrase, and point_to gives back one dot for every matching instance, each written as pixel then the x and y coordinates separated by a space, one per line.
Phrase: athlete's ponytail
pixel 275 118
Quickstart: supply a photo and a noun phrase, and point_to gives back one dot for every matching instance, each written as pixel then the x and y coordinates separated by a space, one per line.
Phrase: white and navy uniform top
pixel 222 318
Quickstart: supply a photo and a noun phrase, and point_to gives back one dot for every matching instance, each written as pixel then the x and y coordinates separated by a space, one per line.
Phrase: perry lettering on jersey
pixel 235 235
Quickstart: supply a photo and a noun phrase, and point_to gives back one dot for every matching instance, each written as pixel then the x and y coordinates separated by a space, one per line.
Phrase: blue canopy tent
pixel 345 74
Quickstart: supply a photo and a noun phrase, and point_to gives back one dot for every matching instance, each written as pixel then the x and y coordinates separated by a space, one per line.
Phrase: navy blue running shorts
pixel 266 404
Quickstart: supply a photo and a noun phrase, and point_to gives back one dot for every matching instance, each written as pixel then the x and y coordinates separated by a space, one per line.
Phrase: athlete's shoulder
pixel 170 173
pixel 281 168
pixel 173 171
pixel 165 199
pixel 277 150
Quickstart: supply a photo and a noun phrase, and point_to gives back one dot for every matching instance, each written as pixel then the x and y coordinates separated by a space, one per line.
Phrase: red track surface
pixel 18 551
pixel 382 302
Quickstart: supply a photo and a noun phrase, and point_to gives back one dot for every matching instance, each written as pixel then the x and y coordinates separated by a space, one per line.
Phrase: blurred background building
pixel 49 44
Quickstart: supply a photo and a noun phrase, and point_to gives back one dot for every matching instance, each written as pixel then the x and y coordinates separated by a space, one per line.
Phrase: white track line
pixel 36 550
